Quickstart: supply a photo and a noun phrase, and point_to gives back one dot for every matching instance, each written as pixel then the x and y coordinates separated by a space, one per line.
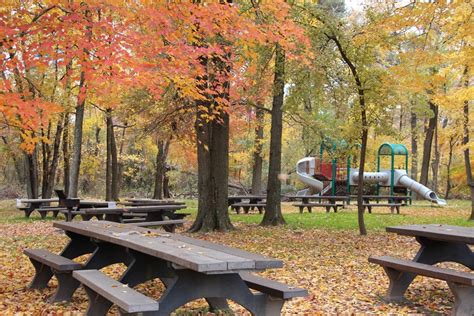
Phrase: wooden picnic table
pixel 30 205
pixel 438 243
pixel 252 198
pixel 188 267
pixel 326 201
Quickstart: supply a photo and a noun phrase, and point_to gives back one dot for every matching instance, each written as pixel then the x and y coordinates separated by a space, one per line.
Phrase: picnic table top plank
pixel 437 232
pixel 141 209
pixel 247 196
pixel 38 200
pixel 208 259
pixel 331 197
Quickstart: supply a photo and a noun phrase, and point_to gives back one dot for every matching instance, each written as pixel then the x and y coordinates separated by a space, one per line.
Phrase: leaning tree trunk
pixel 160 171
pixel 465 143
pixel 77 143
pixel 363 151
pixel 257 154
pixel 273 215
pixel 427 144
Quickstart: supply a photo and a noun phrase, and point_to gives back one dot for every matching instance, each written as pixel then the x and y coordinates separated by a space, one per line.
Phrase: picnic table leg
pixel 78 245
pixel 55 214
pixel 224 286
pixel 67 285
pixel 328 209
pixel 43 214
pixel 301 209
pixel 42 276
pixel 97 304
pixel 28 212
pixel 431 252
pixel 144 268
pixel 463 302
pixel 260 209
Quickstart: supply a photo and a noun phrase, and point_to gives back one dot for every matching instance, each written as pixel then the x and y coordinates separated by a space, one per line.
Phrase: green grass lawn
pixel 421 212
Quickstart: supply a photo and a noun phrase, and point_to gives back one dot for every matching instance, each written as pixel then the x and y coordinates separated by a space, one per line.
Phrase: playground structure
pixel 325 176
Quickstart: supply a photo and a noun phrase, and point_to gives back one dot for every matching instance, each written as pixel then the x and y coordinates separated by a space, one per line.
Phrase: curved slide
pixel 304 170
pixel 420 189
pixel 401 179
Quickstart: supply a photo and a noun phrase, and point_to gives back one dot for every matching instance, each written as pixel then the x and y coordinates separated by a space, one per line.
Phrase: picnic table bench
pixel 327 202
pixel 438 243
pixel 189 268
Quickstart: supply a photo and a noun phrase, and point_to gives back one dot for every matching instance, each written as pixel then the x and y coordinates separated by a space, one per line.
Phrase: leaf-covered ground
pixel 328 259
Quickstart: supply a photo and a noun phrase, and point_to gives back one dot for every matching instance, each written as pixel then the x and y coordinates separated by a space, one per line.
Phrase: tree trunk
pixel 414 146
pixel 436 160
pixel 160 172
pixel 363 150
pixel 427 144
pixel 77 143
pixel 31 174
pixel 452 143
pixel 112 169
pixel 66 168
pixel 465 143
pixel 273 215
pixel 213 154
pixel 51 175
pixel 257 153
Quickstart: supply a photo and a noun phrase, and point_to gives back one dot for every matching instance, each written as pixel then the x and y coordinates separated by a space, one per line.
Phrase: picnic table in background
pixel 42 206
pixel 438 243
pixel 236 202
pixel 189 268
pixel 327 202
pixel 394 202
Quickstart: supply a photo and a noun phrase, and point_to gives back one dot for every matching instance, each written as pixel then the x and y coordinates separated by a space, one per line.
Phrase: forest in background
pixel 88 94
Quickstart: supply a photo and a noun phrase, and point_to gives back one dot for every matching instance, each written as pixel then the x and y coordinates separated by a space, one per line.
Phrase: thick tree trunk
pixel 77 143
pixel 427 144
pixel 273 215
pixel 213 154
pixel 213 174
pixel 160 171
pixel 257 153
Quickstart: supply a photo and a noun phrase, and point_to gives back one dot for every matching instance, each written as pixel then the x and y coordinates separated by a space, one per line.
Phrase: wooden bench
pixel 248 206
pixel 309 206
pixel 103 292
pixel 460 283
pixel 393 206
pixel 46 264
pixel 272 288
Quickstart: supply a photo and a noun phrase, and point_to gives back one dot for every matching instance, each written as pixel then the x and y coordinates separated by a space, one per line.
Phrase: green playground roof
pixel 387 149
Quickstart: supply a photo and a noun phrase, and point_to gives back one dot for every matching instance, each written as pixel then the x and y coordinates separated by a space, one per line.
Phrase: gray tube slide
pixel 420 189
pixel 371 177
pixel 305 170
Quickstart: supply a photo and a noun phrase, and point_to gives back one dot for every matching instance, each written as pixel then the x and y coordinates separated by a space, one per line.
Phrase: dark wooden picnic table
pixel 326 201
pixel 253 199
pixel 30 205
pixel 189 268
pixel 438 243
